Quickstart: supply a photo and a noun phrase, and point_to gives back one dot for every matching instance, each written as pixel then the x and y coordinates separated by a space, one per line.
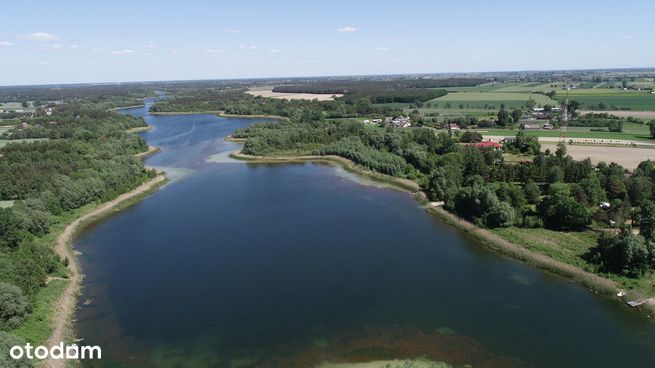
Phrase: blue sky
pixel 91 41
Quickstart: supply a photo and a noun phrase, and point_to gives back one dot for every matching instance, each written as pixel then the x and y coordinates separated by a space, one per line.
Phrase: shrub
pixel 13 306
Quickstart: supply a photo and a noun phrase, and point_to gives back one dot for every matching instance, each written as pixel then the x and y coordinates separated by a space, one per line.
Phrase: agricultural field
pixel 627 157
pixel 644 115
pixel 268 92
pixel 488 100
pixel 613 100
pixel 572 132
pixel 13 106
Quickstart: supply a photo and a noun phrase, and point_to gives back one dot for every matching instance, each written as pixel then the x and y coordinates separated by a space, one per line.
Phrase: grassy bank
pixel 529 255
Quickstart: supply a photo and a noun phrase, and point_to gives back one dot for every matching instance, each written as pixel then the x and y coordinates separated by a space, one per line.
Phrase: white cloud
pixel 39 36
pixel 6 44
pixel 233 30
pixel 347 29
pixel 383 49
pixel 123 52
pixel 627 37
pixel 55 46
pixel 74 46
pixel 152 45
pixel 276 51
pixel 214 51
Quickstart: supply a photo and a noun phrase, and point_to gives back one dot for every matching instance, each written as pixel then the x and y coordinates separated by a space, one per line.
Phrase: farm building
pixel 489 144
pixel 401 122
pixel 530 127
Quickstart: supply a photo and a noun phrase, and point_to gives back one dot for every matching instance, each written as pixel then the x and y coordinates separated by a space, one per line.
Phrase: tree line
pixel 90 158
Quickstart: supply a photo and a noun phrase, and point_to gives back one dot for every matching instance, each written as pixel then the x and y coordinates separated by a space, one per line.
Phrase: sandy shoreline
pixel 65 309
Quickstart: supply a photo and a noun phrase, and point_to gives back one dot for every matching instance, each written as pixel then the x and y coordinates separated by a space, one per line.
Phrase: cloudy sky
pixel 45 42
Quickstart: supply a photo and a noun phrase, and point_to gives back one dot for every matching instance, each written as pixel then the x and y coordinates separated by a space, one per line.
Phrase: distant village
pixel 529 121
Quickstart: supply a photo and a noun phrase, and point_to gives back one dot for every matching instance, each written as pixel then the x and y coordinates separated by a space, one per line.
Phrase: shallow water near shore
pixel 252 265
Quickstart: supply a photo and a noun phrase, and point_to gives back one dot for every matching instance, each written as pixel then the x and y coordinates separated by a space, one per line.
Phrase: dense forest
pixel 373 87
pixel 399 90
pixel 239 103
pixel 88 158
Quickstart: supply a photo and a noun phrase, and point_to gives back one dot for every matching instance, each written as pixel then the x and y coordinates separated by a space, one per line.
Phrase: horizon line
pixel 650 68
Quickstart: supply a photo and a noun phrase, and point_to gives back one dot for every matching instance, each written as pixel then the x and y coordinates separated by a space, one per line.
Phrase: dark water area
pixel 242 265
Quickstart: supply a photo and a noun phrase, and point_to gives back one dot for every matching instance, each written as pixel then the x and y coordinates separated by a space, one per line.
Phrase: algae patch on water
pixel 521 279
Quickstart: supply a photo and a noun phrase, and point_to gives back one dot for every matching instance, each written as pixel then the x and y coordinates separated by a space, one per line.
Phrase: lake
pixel 244 265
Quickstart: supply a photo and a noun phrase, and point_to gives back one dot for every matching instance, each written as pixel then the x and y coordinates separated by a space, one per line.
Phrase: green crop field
pixel 530 87
pixel 572 132
pixel 487 100
pixel 632 101
pixel 486 87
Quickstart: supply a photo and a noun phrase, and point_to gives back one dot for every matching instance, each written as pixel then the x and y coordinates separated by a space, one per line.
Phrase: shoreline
pixel 348 165
pixel 62 318
pixel 126 107
pixel 218 113
pixel 139 129
pixel 151 151
pixel 595 283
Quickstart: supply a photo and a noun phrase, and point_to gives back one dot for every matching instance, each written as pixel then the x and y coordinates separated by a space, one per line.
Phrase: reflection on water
pixel 291 265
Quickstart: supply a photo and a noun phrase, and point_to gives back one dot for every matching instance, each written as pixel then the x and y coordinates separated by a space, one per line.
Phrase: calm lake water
pixel 241 265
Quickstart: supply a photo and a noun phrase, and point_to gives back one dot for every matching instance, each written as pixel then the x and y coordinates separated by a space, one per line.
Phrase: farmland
pixel 489 100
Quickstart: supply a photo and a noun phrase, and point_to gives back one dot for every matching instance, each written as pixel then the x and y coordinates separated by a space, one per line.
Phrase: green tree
pixel 441 184
pixel 7 341
pixel 532 192
pixel 516 115
pixel 647 220
pixel 13 306
pixel 470 137
pixel 651 126
pixel 503 117
pixel 624 254
pixel 10 229
pixel 480 204
pixel 560 211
